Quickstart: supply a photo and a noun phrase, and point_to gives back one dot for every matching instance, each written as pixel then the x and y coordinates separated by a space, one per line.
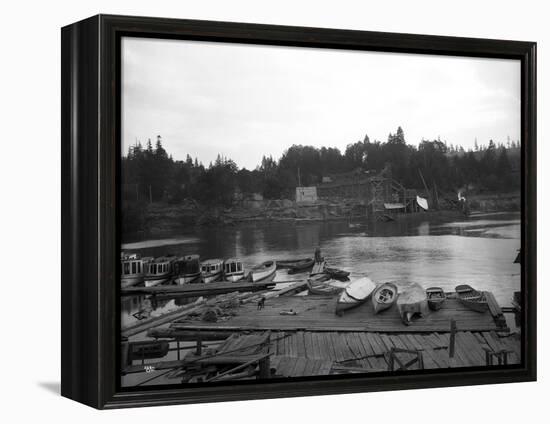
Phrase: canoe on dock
pixel 336 273
pixel 471 298
pixel 263 271
pixel 319 285
pixel 412 301
pixel 355 294
pixel 436 298
pixel 384 296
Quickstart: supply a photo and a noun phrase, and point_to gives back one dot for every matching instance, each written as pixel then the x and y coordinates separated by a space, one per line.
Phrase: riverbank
pixel 164 218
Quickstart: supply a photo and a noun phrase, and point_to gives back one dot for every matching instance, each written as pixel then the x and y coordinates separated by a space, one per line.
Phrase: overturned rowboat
pixel 412 302
pixel 436 298
pixel 384 296
pixel 355 294
pixel 471 298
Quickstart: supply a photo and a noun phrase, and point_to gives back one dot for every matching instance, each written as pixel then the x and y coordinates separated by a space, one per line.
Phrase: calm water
pixel 479 250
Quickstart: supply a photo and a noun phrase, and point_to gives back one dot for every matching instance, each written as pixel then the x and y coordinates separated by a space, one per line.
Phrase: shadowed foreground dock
pixel 246 342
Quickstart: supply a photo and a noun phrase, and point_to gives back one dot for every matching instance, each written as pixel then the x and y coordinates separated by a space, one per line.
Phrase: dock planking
pixel 195 290
pixel 368 351
pixel 316 313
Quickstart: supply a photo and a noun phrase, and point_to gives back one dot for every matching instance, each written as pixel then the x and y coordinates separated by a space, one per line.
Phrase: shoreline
pixel 164 218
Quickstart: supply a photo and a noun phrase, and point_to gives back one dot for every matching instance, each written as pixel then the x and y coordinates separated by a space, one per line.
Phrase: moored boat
pixel 263 271
pixel 233 270
pixel 211 270
pixel 356 293
pixel 301 266
pixel 132 272
pixel 384 296
pixel 412 301
pixel 471 298
pixel 321 286
pixel 158 271
pixel 187 269
pixel 436 298
pixel 290 263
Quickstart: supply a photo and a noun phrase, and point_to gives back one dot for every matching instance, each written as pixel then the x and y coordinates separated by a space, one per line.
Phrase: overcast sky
pixel 247 101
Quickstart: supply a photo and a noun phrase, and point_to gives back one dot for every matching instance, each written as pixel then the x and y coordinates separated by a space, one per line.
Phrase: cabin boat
pixel 384 296
pixel 132 270
pixel 187 270
pixel 263 271
pixel 471 298
pixel 211 270
pixel 412 302
pixel 436 298
pixel 233 270
pixel 356 293
pixel 158 271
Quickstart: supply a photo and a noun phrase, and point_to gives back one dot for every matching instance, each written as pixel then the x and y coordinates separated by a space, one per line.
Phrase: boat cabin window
pixel 126 268
pixel 139 267
pixel 239 266
pixel 134 268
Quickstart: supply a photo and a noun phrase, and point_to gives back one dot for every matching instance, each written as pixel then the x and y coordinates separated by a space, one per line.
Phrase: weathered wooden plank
pixel 325 368
pixel 300 367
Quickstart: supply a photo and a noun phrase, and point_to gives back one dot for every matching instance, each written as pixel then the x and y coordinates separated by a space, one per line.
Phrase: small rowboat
pixel 412 301
pixel 436 298
pixel 263 271
pixel 320 286
pixel 336 273
pixel 471 298
pixel 355 294
pixel 384 296
pixel 291 263
pixel 301 266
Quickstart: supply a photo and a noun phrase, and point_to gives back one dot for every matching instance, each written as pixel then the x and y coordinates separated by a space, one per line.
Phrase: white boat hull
pixel 234 277
pixel 187 279
pixel 262 275
pixel 156 281
pixel 128 281
pixel 210 278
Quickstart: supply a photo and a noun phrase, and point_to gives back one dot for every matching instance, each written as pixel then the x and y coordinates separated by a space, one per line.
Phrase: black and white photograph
pixel 294 212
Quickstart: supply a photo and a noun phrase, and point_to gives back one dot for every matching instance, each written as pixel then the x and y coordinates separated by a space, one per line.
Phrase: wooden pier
pixel 316 313
pixel 265 342
pixel 196 290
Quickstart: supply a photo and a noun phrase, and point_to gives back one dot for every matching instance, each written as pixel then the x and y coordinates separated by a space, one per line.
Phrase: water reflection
pixel 479 251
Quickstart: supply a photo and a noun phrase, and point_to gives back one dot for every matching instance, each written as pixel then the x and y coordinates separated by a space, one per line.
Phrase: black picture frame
pixel 90 205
